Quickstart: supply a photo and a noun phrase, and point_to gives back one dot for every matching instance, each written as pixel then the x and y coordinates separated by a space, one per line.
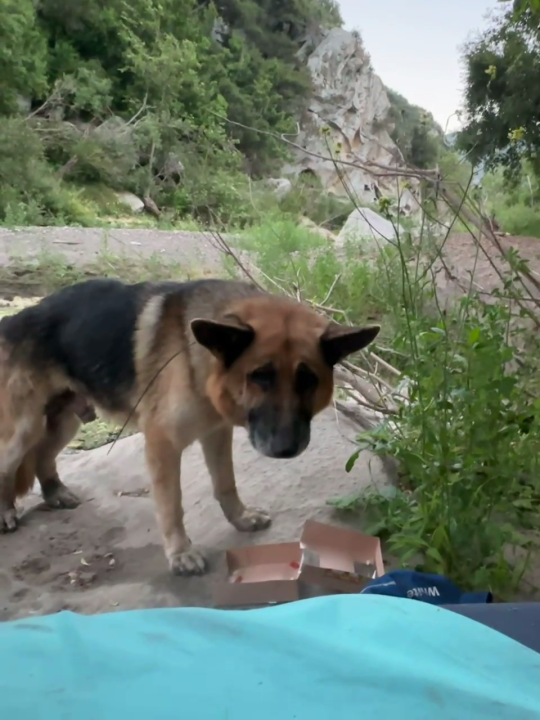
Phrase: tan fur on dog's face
pixel 273 368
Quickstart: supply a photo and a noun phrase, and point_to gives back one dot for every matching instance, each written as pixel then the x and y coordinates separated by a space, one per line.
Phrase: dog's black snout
pixel 286 452
pixel 278 437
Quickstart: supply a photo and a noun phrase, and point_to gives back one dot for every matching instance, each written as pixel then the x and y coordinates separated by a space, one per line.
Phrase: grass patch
pixel 96 434
pixel 49 271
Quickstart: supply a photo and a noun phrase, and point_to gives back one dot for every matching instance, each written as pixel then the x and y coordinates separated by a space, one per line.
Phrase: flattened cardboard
pixel 327 560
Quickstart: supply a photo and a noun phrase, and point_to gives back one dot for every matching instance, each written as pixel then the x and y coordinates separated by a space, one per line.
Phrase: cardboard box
pixel 339 560
pixel 261 575
pixel 326 560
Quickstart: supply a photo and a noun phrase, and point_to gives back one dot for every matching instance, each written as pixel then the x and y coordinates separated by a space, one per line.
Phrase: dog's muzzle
pixel 277 435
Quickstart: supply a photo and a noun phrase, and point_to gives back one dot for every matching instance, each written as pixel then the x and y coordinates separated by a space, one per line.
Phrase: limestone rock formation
pixel 347 117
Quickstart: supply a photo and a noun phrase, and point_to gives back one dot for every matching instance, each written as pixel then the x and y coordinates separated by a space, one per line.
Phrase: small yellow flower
pixel 492 72
pixel 517 134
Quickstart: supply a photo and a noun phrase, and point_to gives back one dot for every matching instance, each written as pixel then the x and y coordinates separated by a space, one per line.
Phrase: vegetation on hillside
pixel 415 132
pixel 178 101
pixel 143 94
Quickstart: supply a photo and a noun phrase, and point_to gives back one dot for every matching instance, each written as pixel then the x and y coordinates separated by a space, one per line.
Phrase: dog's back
pixel 88 332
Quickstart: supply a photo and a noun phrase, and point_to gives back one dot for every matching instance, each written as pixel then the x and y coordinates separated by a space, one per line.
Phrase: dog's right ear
pixel 226 341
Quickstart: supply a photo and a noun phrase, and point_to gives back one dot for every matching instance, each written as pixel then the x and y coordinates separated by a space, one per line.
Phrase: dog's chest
pixel 192 419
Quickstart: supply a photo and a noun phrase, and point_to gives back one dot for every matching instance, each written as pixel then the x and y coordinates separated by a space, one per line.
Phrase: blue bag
pixel 433 589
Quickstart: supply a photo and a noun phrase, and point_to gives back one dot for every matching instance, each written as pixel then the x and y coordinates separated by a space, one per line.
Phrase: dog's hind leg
pixel 8 513
pixel 17 466
pixel 217 450
pixel 60 429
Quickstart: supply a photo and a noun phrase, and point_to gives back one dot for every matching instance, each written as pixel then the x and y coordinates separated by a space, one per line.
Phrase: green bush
pixel 520 220
pixel 30 192
pixel 468 450
pixel 303 262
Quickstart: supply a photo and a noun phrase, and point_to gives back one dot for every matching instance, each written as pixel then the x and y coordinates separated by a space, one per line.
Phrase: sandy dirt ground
pixel 106 554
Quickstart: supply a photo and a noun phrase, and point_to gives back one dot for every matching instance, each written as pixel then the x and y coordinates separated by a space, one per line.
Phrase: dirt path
pixel 81 246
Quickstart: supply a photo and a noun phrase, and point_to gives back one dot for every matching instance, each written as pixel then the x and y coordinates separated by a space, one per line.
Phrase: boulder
pixel 131 201
pixel 366 227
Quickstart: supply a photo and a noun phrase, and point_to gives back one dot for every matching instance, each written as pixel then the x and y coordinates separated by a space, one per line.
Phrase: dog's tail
pixel 25 475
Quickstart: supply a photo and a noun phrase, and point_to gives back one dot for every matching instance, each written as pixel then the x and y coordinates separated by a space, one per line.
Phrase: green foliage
pixel 502 93
pixel 414 131
pixel 467 448
pixel 521 6
pixel 30 193
pixel 261 110
pixel 122 93
pixel 300 258
pixel 306 198
pixel 23 54
pixel 514 201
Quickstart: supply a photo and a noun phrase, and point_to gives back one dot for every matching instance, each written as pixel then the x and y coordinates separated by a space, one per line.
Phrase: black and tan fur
pixel 188 361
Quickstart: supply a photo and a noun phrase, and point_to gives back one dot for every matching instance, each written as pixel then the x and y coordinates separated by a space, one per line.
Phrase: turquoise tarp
pixel 339 657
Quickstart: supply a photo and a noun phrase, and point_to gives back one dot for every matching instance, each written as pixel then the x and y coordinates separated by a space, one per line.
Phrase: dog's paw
pixel 189 562
pixel 58 496
pixel 9 521
pixel 252 520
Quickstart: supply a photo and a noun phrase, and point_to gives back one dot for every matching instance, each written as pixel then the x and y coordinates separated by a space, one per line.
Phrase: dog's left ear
pixel 226 341
pixel 337 342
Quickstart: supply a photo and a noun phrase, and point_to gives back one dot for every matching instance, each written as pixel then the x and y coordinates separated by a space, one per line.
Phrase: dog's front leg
pixel 163 458
pixel 217 449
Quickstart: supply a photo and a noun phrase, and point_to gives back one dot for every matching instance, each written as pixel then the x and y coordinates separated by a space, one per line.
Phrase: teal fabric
pixel 339 657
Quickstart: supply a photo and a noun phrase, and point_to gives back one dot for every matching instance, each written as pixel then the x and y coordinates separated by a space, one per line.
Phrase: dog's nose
pixel 274 438
pixel 285 453
pixel 290 441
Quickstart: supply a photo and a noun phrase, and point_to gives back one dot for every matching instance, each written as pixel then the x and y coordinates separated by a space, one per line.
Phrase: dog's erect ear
pixel 337 342
pixel 227 341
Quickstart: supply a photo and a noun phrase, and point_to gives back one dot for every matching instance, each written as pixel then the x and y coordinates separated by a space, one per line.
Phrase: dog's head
pixel 273 368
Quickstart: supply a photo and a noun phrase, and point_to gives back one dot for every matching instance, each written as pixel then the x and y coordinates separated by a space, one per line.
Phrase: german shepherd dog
pixel 186 361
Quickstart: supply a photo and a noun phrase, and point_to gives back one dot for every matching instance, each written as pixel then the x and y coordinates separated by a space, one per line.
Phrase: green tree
pixel 23 54
pixel 414 131
pixel 502 95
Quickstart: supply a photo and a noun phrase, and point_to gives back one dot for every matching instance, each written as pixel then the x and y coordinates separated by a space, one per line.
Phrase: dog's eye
pixel 264 377
pixel 306 380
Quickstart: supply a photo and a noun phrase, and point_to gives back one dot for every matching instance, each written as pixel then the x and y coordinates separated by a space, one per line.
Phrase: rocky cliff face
pixel 348 111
